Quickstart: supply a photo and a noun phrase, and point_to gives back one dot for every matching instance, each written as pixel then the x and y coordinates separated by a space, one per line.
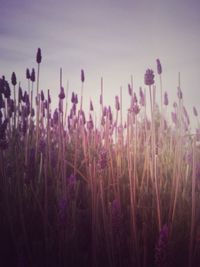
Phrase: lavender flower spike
pixel 39 56
pixel 166 101
pixel 117 104
pixel 62 93
pixel 33 75
pixel 130 91
pixel 149 77
pixel 82 76
pixel 28 76
pixel 14 79
pixel 159 67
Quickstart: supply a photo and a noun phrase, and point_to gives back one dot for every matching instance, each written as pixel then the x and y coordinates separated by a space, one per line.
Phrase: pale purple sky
pixel 113 39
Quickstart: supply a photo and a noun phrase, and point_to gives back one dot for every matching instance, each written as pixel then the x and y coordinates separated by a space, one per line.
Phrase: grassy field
pixel 77 190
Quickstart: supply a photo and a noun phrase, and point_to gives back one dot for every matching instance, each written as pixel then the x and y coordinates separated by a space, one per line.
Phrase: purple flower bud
pixel 55 117
pixel 33 75
pixel 42 95
pixel 149 77
pixel 166 102
pixel 49 97
pixel 159 67
pixel 130 90
pixel 175 105
pixel 20 95
pixel 195 111
pixel 28 76
pixel 62 93
pixel 179 93
pixel 39 56
pixel 91 106
pixel 14 79
pixel 117 104
pixel 73 98
pixel 82 76
pixel 76 99
pixel 165 125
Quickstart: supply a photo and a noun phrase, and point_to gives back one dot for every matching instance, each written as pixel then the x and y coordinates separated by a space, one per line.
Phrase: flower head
pixel 166 101
pixel 14 79
pixel 149 77
pixel 42 95
pixel 33 75
pixel 91 106
pixel 62 93
pixel 179 93
pixel 130 90
pixel 82 76
pixel 159 67
pixel 28 76
pixel 39 56
pixel 117 104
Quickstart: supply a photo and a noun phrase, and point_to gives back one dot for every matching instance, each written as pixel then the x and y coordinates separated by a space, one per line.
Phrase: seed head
pixel 91 106
pixel 14 79
pixel 33 75
pixel 28 76
pixel 159 67
pixel 130 91
pixel 42 95
pixel 82 76
pixel 117 104
pixel 179 93
pixel 39 56
pixel 166 102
